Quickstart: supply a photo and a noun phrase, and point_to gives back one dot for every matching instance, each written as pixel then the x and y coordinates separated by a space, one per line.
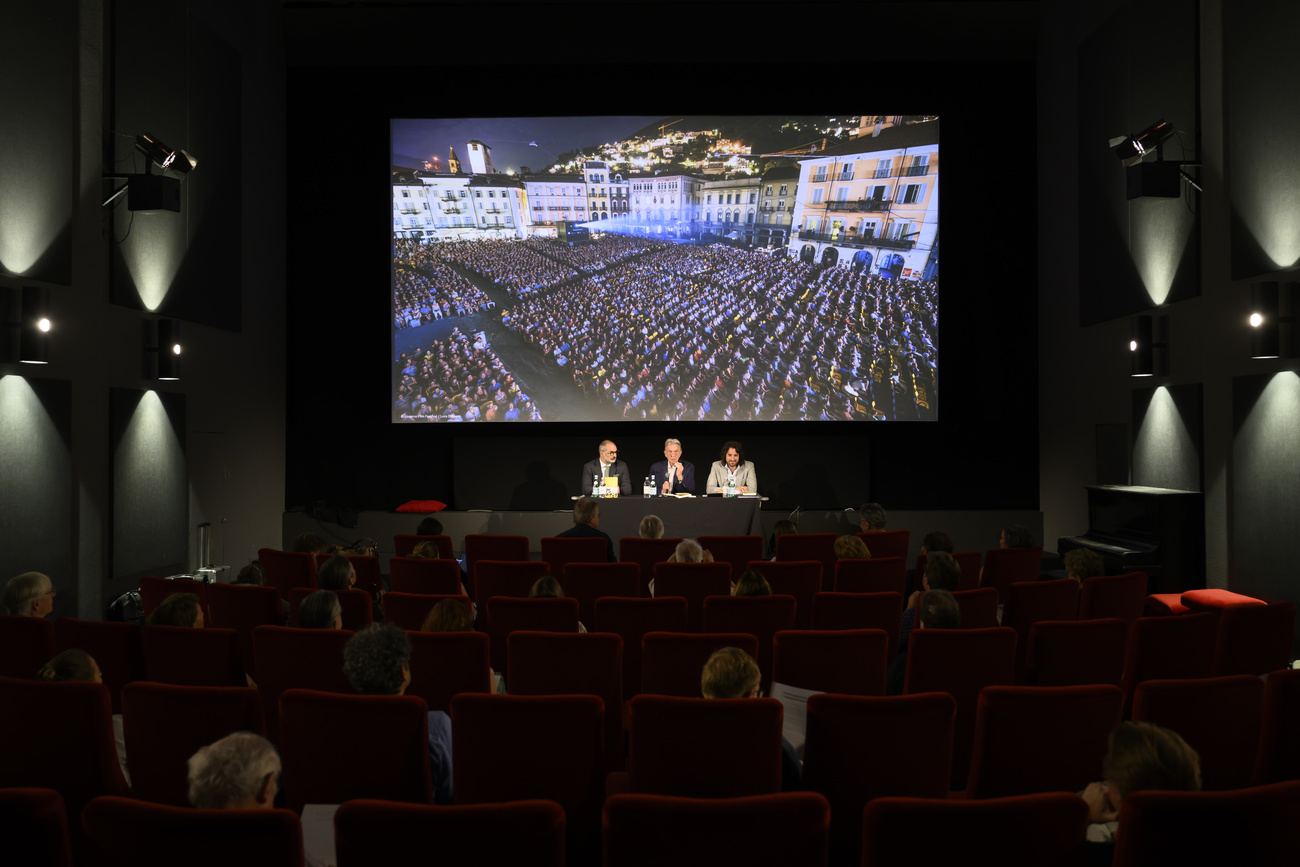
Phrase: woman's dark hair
pixel 430 526
pixel 72 664
pixel 752 583
pixel 319 609
pixel 546 587
pixel 308 543
pixel 335 574
pixel 178 609
pixel 449 615
pixel 250 574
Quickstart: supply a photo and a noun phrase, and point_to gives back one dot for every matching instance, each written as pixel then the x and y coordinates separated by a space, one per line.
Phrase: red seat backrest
pixel 153 590
pixel 979 607
pixel 809 546
pixel 1032 739
pixel 1050 829
pixel 409 575
pixel 646 553
pixel 695 582
pixel 704 748
pixel 1122 596
pixel 632 619
pixel 377 747
pixel 506 614
pixel 760 616
pixel 369 578
pixel 358 612
pixel 553 663
pixel 26 644
pixel 128 831
pixel 588 582
pixel 242 607
pixel 286 570
pixel 649 829
pixel 800 579
pixel 960 662
pixel 739 551
pixel 886 543
pixel 409 610
pixel 515 747
pixel 289 658
pixel 1169 648
pixel 877 575
pixel 389 832
pixel 1254 639
pixel 1028 602
pixel 506 578
pixel 165 724
pixel 1279 751
pixel 860 611
pixel 1219 717
pixel 849 662
pixel 1005 566
pixel 1070 652
pixel 192 657
pixel 446 664
pixel 672 662
pixel 560 551
pixel 35 827
pixel 844 762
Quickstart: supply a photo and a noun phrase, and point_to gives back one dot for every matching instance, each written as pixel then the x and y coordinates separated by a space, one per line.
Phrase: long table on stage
pixel 690 517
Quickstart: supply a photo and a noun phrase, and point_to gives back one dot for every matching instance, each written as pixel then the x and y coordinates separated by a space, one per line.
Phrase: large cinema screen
pixel 765 268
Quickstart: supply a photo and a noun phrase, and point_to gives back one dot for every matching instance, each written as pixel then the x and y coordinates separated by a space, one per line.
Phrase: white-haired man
pixel 673 475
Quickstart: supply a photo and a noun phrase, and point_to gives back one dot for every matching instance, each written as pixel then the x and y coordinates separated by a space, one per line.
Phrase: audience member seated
pixel 337 573
pixel 851 548
pixel 689 551
pixel 780 528
pixel 652 527
pixel 428 550
pixel 178 609
pixel 449 615
pixel 377 661
pixel 751 583
pixel 935 540
pixel 30 594
pixel 309 543
pixel 1083 563
pixel 871 518
pixel 239 772
pixel 938 610
pixel 942 572
pixel 250 574
pixel 586 520
pixel 429 526
pixel 1016 536
pixel 732 673
pixel 1140 756
pixel 547 587
pixel 320 610
pixel 76 664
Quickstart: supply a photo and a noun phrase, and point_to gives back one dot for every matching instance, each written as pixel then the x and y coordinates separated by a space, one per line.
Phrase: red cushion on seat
pixel 1164 603
pixel 421 506
pixel 1216 600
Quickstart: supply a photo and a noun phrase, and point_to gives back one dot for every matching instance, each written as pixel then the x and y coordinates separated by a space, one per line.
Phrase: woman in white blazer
pixel 732 465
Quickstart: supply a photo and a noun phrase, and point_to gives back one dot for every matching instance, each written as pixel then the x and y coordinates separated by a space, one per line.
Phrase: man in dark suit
pixel 586 520
pixel 673 475
pixel 604 466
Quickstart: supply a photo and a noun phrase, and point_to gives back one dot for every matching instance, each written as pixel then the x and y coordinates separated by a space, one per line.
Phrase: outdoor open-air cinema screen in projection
pixel 773 268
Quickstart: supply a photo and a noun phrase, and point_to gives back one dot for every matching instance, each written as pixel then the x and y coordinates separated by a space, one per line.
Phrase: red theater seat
pixel 588 582
pixel 409 610
pixel 1006 566
pixel 506 615
pixel 436 577
pixel 404 544
pixel 844 761
pixel 446 664
pixel 34 826
pixel 285 570
pixel 1214 599
pixel 26 644
pixel 695 582
pixel 672 662
pixel 760 616
pixel 860 611
pixel 877 575
pixel 967 561
pixel 1254 639
pixel 809 546
pixel 289 658
pixel 153 590
pixel 358 612
pixel 242 607
pixel 1219 717
pixel 1026 603
pixel 369 578
pixel 115 647
pixel 740 551
pixel 369 833
pixel 632 619
pixel 848 662
pixel 979 607
pixel 1169 648
pixel 192 657
pixel 646 553
pixel 759 831
pixel 1122 596
pixel 1278 759
pixel 886 543
pixel 505 578
pixel 1076 652
pixel 560 551
pixel 801 579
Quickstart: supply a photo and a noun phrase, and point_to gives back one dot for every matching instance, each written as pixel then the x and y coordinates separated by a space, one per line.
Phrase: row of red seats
pixel 1250 826
pixel 1028 740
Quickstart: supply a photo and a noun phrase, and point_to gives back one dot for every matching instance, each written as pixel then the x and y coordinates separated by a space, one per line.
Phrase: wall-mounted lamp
pixel 27 325
pixel 150 192
pixel 161 357
pixel 1142 346
pixel 1146 178
pixel 1266 318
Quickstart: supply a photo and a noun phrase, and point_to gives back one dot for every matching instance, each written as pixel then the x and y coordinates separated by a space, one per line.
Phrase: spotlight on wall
pixel 1132 149
pixel 27 324
pixel 1151 178
pixel 1266 318
pixel 150 192
pixel 1142 346
pixel 163 156
pixel 161 357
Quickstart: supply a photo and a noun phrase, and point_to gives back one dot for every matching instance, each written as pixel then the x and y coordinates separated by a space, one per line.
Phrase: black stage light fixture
pixel 1142 346
pixel 150 192
pixel 34 337
pixel 163 156
pixel 1266 329
pixel 1132 149
pixel 161 356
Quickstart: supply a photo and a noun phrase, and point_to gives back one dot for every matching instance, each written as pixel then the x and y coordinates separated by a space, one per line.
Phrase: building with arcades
pixel 555 198
pixel 662 204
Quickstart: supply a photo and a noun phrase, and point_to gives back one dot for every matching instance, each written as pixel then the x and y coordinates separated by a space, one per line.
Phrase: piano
pixel 1135 528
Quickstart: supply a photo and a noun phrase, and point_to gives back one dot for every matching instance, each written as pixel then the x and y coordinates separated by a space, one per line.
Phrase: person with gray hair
pixel 586 521
pixel 30 594
pixel 673 475
pixel 320 609
pixel 377 661
pixel 687 551
pixel 239 772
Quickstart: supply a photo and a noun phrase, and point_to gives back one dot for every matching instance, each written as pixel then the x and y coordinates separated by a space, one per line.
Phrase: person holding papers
pixel 732 472
pixel 732 673
pixel 673 475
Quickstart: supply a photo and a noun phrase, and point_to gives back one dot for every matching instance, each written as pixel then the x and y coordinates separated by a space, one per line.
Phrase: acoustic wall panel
pixel 150 488
pixel 1168 437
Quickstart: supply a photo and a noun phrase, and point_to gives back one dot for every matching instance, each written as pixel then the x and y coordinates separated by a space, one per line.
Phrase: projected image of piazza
pixel 776 268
